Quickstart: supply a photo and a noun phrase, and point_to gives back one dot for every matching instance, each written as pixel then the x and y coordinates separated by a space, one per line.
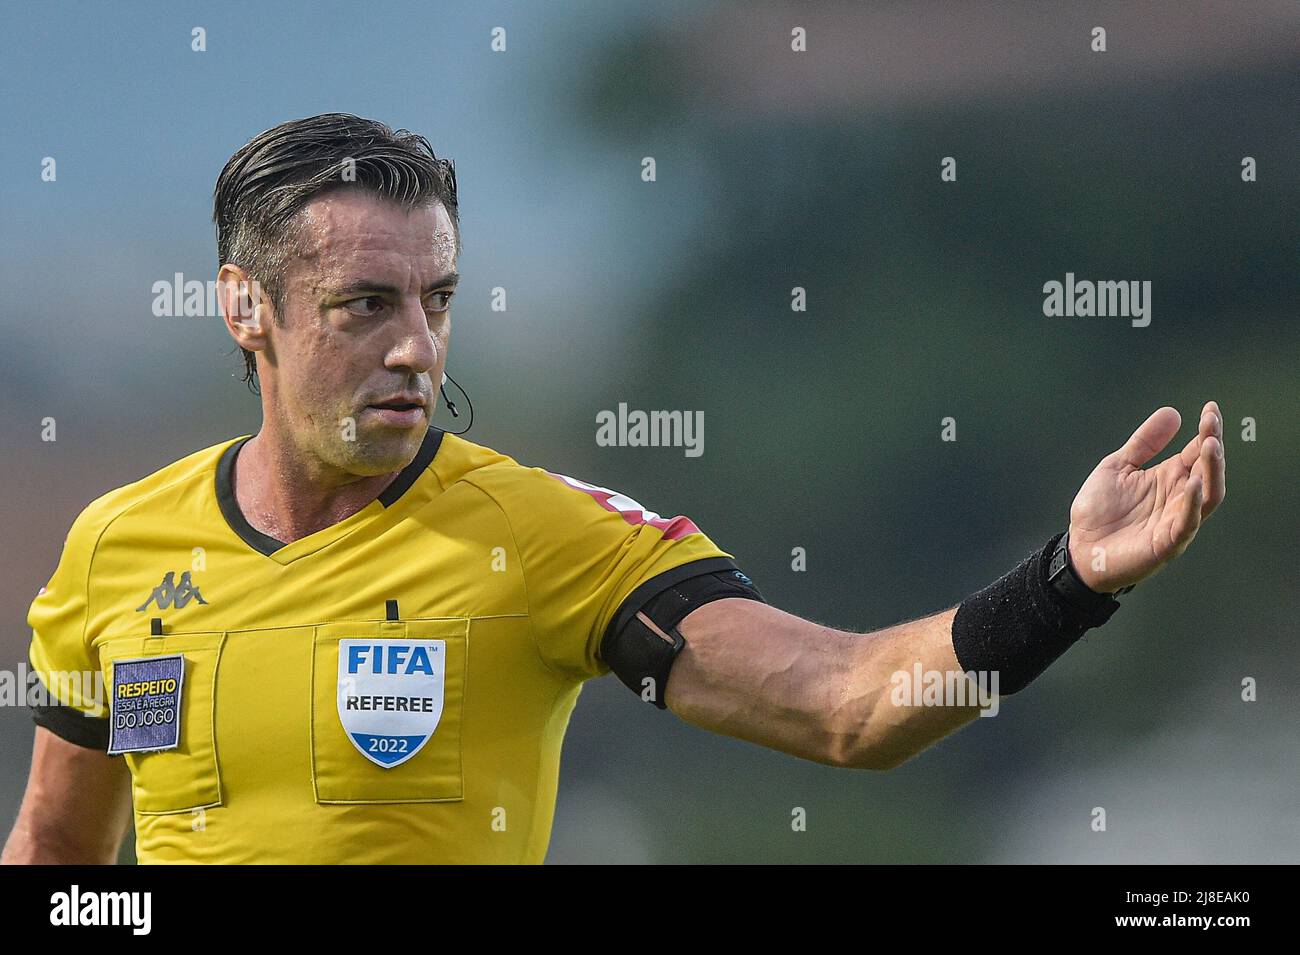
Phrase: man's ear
pixel 244 308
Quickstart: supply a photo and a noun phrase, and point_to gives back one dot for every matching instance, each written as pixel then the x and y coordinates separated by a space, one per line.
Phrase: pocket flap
pixel 186 775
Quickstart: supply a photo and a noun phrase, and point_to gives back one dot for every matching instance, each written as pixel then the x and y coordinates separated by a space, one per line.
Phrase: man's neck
pixel 288 495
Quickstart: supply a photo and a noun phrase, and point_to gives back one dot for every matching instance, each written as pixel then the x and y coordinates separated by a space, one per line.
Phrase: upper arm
pixel 588 555
pixel 755 672
pixel 76 808
pixel 78 798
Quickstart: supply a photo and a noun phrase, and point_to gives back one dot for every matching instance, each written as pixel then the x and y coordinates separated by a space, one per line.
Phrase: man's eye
pixel 370 305
pixel 440 301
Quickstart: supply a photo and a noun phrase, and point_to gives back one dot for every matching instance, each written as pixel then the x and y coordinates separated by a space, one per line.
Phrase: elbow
pixel 859 750
pixel 28 845
pixel 861 743
pixel 872 758
pixel 883 762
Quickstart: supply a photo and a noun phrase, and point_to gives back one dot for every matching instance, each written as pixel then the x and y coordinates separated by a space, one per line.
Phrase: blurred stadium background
pixel 775 169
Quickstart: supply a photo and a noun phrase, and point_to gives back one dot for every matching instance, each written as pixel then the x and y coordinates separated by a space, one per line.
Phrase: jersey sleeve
pixel 586 551
pixel 60 654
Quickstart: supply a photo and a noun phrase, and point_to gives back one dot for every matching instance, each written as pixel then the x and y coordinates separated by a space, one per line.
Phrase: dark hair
pixel 266 184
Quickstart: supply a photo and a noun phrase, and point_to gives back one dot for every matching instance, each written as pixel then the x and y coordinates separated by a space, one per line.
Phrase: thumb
pixel 1152 435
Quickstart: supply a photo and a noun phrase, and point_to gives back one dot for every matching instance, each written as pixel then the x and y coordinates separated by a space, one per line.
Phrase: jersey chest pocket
pixel 162 693
pixel 387 711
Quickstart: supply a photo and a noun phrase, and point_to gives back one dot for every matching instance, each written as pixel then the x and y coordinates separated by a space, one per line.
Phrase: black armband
pixel 641 658
pixel 1022 622
pixel 69 723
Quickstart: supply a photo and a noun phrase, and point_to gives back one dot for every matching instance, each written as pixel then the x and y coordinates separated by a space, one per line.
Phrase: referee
pixel 352 637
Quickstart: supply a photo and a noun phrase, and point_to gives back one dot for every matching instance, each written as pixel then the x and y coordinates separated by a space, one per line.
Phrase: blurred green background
pixel 775 169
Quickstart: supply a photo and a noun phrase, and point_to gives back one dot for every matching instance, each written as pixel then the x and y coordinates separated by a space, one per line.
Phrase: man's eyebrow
pixel 366 286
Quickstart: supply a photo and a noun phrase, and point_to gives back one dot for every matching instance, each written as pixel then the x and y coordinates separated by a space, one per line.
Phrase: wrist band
pixel 1065 581
pixel 1019 624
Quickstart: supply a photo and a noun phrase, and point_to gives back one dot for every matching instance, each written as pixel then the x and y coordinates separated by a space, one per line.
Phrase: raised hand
pixel 1126 523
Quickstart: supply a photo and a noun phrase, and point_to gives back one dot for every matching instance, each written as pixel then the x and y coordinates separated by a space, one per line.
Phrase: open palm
pixel 1126 522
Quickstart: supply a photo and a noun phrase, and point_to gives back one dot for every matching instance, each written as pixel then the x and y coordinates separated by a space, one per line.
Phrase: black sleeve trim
pixel 670 578
pixel 69 723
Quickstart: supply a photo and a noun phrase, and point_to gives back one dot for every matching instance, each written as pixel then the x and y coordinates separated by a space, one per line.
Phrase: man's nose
pixel 414 348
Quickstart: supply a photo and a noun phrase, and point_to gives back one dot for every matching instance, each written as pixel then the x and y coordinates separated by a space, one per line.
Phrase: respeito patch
pixel 145 707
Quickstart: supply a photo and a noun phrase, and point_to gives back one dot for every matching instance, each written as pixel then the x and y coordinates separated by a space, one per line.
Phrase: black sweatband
pixel 1017 625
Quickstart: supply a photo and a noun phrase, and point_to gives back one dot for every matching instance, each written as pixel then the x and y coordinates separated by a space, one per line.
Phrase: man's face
pixel 364 332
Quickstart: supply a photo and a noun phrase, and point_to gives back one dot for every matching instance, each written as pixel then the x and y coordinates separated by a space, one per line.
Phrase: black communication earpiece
pixel 451 405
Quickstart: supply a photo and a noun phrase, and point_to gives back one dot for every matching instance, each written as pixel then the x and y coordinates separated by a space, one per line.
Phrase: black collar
pixel 264 544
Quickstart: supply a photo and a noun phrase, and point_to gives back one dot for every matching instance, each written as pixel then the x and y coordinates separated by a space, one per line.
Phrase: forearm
pixel 44 837
pixel 814 692
pixel 906 691
pixel 76 809
pixel 944 670
pixel 32 844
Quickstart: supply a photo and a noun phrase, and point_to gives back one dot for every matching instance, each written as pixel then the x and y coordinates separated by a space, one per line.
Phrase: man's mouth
pixel 401 410
pixel 402 402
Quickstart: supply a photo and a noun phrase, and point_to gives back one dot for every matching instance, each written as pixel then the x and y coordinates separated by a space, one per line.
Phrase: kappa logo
pixel 171 594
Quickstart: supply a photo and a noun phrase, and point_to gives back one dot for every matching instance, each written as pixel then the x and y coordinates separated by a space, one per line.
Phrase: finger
pixel 1213 408
pixel 1150 437
pixel 1187 519
pixel 1210 426
pixel 1212 469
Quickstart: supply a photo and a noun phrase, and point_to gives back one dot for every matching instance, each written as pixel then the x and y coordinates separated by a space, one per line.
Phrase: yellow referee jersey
pixel 391 689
